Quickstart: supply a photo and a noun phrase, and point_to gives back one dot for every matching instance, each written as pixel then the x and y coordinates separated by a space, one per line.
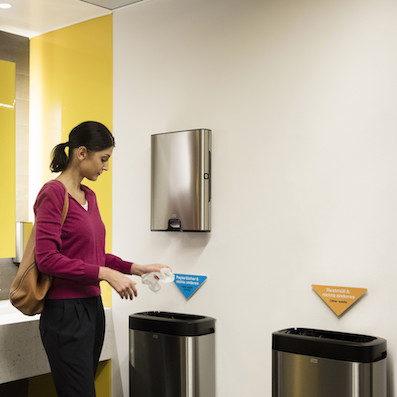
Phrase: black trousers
pixel 72 332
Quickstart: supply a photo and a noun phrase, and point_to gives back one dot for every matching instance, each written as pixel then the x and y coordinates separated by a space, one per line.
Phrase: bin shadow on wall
pixel 390 377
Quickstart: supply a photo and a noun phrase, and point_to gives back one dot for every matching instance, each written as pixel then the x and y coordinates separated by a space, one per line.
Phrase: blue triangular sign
pixel 188 284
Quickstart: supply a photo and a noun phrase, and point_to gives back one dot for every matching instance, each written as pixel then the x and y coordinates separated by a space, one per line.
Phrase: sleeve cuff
pixel 126 267
pixel 91 272
pixel 118 264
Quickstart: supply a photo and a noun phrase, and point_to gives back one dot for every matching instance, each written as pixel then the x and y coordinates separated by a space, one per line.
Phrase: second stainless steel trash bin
pixel 172 355
pixel 314 363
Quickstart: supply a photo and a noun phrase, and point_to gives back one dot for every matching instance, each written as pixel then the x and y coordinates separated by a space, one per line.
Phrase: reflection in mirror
pixel 14 121
pixel 7 159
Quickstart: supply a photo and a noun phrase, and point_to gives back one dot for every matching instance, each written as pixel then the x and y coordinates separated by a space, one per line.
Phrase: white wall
pixel 301 97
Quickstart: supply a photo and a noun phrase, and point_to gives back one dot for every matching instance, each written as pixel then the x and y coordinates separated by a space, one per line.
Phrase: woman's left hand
pixel 140 270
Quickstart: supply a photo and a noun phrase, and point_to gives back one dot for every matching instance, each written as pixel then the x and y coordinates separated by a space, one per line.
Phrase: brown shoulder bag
pixel 30 286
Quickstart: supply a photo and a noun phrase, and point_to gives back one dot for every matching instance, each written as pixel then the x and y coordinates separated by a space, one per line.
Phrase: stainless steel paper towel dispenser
pixel 181 181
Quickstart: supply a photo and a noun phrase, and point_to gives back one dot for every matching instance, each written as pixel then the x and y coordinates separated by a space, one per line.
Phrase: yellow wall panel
pixel 7 159
pixel 27 231
pixel 43 385
pixel 103 379
pixel 71 81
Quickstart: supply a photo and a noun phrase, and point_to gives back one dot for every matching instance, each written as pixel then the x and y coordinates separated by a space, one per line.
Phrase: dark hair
pixel 91 134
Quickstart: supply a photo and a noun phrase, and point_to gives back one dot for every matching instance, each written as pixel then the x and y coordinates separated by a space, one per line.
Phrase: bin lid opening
pixel 181 324
pixel 342 336
pixel 330 344
pixel 173 316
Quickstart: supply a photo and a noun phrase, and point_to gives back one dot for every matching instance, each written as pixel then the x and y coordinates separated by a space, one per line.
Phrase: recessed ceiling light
pixel 5 6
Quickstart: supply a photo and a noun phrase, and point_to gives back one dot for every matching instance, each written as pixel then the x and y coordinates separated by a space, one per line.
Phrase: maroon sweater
pixel 73 253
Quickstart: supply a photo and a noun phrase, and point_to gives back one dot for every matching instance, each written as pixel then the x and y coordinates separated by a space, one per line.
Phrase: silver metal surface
pixel 171 366
pixel 296 375
pixel 181 181
pixel 19 242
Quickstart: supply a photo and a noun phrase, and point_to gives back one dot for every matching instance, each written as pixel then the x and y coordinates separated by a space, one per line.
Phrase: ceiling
pixel 33 17
pixel 112 4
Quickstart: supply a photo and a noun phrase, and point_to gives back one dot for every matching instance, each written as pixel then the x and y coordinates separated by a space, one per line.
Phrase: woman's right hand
pixel 121 283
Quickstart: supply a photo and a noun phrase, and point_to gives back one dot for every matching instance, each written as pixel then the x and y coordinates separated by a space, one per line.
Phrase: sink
pixel 9 314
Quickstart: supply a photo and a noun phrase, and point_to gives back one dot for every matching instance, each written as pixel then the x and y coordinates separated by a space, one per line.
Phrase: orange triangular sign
pixel 339 299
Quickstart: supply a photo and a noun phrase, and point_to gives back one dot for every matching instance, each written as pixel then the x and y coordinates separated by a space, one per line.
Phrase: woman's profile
pixel 72 324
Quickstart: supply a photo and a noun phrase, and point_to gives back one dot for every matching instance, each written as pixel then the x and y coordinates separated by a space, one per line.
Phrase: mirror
pixel 7 159
pixel 14 161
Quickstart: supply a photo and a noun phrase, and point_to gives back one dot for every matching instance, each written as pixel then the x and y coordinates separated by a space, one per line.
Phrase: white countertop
pixel 10 315
pixel 21 352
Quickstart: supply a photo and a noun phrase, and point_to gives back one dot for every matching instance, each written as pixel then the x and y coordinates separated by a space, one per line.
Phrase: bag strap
pixel 65 207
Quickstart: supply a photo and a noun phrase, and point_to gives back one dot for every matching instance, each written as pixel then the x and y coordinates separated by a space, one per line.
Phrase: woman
pixel 72 323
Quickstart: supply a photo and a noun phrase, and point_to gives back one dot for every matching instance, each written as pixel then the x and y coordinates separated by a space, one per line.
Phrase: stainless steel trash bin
pixel 171 355
pixel 314 363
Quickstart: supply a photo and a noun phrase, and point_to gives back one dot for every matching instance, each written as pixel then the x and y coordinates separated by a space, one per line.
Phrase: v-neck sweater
pixel 73 253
